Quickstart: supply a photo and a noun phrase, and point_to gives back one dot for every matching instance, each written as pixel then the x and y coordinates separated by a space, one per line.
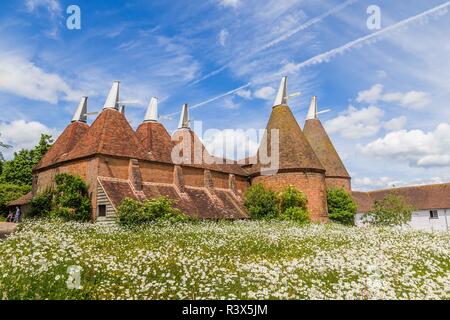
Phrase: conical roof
pixel 110 134
pixel 153 136
pixel 64 144
pixel 322 145
pixel 294 150
pixel 156 140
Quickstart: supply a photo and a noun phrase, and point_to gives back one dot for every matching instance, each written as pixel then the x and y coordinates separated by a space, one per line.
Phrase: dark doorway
pixel 102 210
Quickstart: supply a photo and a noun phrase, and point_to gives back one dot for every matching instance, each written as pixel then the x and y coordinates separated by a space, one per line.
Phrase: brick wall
pixel 193 176
pixel 220 180
pixel 312 184
pixel 87 169
pixel 113 167
pixel 242 183
pixel 156 172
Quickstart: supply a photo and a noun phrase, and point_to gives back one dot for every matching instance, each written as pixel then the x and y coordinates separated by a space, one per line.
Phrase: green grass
pixel 224 260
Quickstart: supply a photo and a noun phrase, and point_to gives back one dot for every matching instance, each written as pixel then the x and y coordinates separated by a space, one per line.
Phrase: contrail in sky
pixel 327 56
pixel 213 99
pixel 284 37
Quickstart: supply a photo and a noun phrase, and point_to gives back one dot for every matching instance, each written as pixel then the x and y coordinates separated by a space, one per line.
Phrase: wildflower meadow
pixel 222 260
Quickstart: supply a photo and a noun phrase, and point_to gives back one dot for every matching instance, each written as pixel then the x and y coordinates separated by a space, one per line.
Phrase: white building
pixel 431 205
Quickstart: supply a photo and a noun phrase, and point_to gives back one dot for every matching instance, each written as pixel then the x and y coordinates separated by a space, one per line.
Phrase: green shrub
pixel 261 203
pixel 71 200
pixel 293 205
pixel 289 204
pixel 130 212
pixel 341 207
pixel 41 205
pixel 133 212
pixel 297 214
pixel 162 209
pixel 10 192
pixel 290 197
pixel 392 210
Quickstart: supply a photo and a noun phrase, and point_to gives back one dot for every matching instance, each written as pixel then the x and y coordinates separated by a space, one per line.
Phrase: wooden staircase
pixel 106 221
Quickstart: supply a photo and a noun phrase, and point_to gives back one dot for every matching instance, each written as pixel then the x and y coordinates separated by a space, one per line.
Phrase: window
pixel 102 210
pixel 434 214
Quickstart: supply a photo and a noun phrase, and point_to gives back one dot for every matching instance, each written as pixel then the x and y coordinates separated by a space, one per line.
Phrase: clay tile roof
pixel 436 196
pixel 110 134
pixel 324 149
pixel 196 202
pixel 64 144
pixel 156 141
pixel 25 199
pixel 294 150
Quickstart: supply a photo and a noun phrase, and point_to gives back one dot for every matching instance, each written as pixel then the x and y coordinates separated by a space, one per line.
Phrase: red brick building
pixel 117 162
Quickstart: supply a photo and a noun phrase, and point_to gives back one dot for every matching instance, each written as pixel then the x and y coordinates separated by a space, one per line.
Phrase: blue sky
pixel 389 91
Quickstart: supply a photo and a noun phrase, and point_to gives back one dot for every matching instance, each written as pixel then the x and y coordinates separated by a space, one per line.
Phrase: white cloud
pixel 228 103
pixel 356 123
pixel 411 99
pixel 265 93
pixel 395 124
pixel 223 37
pixel 53 6
pixel 23 78
pixel 372 95
pixel 246 94
pixel 22 135
pixel 367 183
pixel 230 3
pixel 54 10
pixel 418 148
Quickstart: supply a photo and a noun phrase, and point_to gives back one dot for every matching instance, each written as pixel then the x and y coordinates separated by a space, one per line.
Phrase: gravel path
pixel 7 228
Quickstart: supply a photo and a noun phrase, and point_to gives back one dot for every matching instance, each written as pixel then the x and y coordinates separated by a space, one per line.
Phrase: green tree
pixel 19 170
pixel 392 210
pixel 10 192
pixel 261 203
pixel 42 147
pixel 341 207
